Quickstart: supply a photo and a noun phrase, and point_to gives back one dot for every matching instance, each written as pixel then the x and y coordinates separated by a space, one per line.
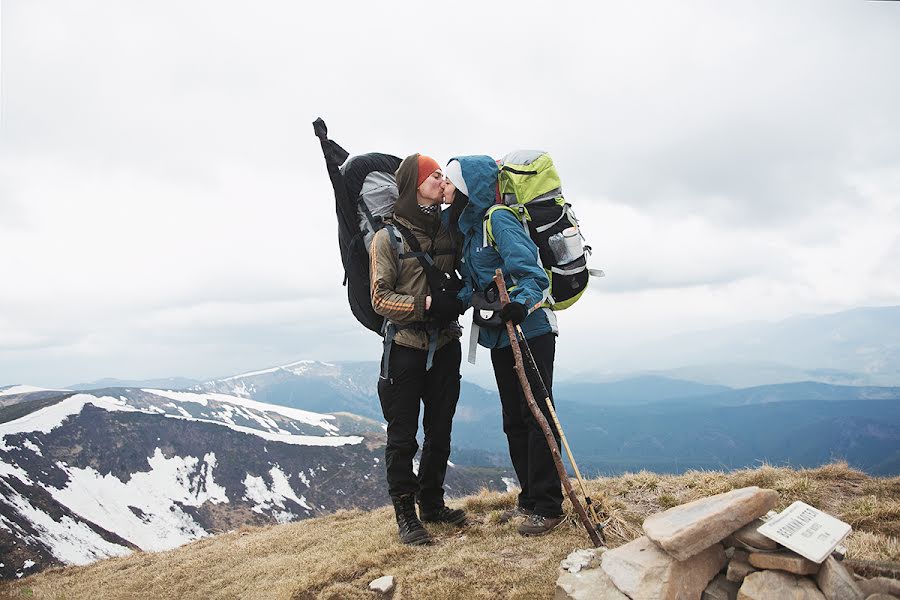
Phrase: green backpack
pixel 530 187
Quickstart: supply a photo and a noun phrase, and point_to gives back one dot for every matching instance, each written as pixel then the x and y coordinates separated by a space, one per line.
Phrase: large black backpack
pixel 364 193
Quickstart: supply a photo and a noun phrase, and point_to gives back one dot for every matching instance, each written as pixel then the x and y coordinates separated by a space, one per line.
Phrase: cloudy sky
pixel 164 207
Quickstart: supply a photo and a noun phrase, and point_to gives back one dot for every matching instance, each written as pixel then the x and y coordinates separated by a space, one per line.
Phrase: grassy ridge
pixel 335 557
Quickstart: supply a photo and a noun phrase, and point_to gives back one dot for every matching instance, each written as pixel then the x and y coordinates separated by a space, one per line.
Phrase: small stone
pixel 384 585
pixel 837 583
pixel 642 571
pixel 749 536
pixel 784 561
pixel 778 585
pixel 588 584
pixel 739 567
pixel 686 530
pixel 879 585
pixel 720 589
pixel 581 559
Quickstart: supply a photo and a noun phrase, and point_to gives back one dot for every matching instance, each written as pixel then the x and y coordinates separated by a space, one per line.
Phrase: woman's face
pixel 449 191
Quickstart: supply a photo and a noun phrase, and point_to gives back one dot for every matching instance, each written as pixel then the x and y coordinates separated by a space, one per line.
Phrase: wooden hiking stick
pixel 541 420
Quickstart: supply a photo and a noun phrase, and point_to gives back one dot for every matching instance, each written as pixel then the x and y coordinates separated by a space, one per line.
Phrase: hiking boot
pixel 536 525
pixel 514 513
pixel 410 528
pixel 444 514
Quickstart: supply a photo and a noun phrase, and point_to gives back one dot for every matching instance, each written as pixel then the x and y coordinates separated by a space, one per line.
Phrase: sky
pixel 165 210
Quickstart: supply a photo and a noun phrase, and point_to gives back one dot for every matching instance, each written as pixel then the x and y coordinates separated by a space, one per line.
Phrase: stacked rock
pixel 710 549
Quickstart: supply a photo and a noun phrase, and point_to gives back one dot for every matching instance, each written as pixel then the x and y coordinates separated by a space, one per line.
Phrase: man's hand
pixel 445 307
pixel 514 311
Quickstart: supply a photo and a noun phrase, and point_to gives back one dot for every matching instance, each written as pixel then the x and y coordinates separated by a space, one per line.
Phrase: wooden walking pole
pixel 541 420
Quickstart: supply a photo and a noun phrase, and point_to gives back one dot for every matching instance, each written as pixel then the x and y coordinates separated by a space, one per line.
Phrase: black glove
pixel 514 311
pixel 445 307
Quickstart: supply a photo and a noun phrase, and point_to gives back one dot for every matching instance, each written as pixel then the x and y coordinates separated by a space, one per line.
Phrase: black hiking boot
pixel 536 525
pixel 443 514
pixel 410 528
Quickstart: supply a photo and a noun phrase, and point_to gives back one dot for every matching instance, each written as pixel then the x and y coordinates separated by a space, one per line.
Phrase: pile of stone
pixel 710 549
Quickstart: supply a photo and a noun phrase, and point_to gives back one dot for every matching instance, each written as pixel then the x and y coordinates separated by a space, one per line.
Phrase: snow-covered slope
pixel 96 474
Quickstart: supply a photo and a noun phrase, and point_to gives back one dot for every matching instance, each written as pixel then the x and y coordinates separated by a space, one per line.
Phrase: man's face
pixel 432 190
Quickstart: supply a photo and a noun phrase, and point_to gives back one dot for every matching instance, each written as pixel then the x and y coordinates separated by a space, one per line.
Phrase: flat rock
pixel 879 585
pixel 778 585
pixel 686 530
pixel 784 561
pixel 720 589
pixel 881 597
pixel 837 583
pixel 750 537
pixel 587 584
pixel 384 585
pixel 644 572
pixel 739 567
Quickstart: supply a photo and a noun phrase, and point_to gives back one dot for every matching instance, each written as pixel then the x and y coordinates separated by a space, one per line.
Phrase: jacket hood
pixel 480 176
pixel 406 207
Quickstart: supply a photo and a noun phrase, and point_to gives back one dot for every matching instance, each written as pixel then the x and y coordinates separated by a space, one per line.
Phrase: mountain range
pixel 87 475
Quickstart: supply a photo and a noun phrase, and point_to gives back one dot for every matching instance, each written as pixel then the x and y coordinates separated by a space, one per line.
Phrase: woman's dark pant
pixel 531 457
pixel 409 383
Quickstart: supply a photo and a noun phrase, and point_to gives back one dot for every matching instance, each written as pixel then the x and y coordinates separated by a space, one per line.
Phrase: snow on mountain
pixel 97 474
pixel 23 389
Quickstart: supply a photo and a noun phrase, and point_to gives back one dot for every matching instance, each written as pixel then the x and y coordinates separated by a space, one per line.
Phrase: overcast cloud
pixel 164 207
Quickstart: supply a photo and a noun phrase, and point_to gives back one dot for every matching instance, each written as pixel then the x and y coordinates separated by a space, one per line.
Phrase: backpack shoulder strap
pixel 433 274
pixel 521 215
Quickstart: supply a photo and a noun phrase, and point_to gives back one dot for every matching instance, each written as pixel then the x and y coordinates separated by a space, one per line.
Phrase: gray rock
pixel 778 585
pixel 384 585
pixel 784 561
pixel 686 530
pixel 879 585
pixel 750 537
pixel 587 584
pixel 881 597
pixel 720 589
pixel 739 567
pixel 644 572
pixel 581 559
pixel 837 583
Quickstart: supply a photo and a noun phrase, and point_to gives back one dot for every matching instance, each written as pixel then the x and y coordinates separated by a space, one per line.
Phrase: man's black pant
pixel 531 457
pixel 407 384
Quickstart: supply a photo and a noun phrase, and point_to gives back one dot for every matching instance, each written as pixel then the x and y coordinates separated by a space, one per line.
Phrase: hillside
pixel 89 475
pixel 336 556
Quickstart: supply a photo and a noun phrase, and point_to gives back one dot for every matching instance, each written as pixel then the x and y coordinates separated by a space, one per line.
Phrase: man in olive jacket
pixel 422 351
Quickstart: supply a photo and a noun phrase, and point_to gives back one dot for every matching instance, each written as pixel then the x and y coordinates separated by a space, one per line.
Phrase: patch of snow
pixel 105 499
pixel 28 564
pixel 303 478
pixel 266 497
pixel 416 466
pixel 511 484
pixel 303 416
pixel 69 541
pixel 26 389
pixel 32 446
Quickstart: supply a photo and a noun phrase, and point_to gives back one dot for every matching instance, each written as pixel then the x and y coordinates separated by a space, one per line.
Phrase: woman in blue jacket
pixel 471 189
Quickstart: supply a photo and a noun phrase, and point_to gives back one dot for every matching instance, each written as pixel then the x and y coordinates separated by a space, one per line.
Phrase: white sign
pixel 806 530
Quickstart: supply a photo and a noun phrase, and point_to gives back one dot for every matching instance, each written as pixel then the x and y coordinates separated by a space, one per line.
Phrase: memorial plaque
pixel 807 531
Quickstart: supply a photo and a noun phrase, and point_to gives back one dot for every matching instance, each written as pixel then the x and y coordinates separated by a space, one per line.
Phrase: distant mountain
pixel 647 422
pixel 673 437
pixel 89 475
pixel 167 383
pixel 635 390
pixel 854 347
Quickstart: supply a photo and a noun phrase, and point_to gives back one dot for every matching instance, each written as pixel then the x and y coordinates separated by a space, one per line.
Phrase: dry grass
pixel 336 556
